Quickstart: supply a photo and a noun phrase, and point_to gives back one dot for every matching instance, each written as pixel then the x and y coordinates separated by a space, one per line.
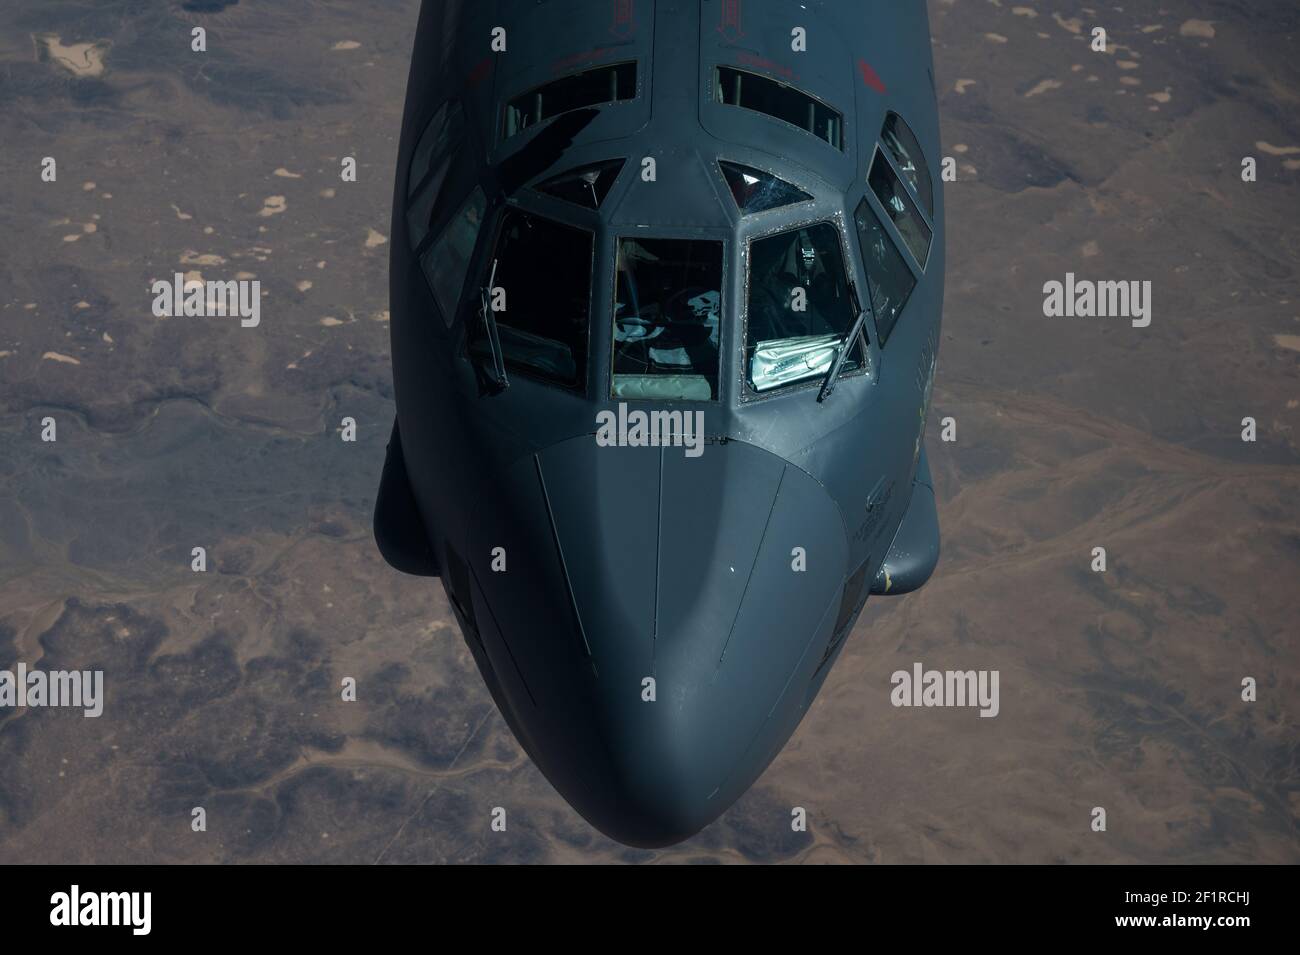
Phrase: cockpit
pixel 816 284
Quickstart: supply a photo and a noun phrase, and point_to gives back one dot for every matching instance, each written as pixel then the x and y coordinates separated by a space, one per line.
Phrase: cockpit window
pixel 758 191
pixel 541 298
pixel 888 275
pixel 446 260
pixel 800 307
pixel 432 158
pixel 603 84
pixel 667 317
pixel 586 186
pixel 903 146
pixel 772 98
pixel 897 202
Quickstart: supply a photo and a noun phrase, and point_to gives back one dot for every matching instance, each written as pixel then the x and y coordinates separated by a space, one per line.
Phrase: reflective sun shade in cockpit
pixel 604 84
pixel 586 186
pixel 767 96
pixel 758 191
pixel 667 319
pixel 893 195
pixel 800 307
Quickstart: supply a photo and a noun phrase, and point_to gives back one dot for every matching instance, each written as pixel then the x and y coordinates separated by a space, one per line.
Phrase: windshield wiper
pixel 833 374
pixel 490 324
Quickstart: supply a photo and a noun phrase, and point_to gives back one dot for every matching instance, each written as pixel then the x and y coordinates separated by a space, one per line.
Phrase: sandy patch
pixel 55 356
pixel 286 174
pixel 961 86
pixel 273 206
pixel 1044 87
pixel 191 257
pixel 346 45
pixel 1288 341
pixel 79 59
pixel 1201 28
pixel 374 238
pixel 1276 150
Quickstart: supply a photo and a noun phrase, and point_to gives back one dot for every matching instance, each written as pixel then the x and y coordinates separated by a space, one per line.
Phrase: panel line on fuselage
pixel 564 567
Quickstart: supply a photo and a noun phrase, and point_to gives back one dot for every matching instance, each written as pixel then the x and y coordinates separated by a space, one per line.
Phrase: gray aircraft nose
pixel 717 578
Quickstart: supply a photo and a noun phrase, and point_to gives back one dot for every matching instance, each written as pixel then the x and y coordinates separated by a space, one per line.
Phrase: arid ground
pixel 1120 690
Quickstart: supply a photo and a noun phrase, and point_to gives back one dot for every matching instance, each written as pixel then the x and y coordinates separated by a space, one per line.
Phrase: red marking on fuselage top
pixel 730 23
pixel 871 77
pixel 482 69
pixel 624 19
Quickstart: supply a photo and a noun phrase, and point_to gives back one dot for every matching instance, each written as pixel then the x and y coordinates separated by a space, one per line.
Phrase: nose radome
pixel 704 591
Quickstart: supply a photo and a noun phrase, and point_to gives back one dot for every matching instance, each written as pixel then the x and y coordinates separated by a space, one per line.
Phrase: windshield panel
pixel 758 191
pixel 541 298
pixel 800 307
pixel 667 316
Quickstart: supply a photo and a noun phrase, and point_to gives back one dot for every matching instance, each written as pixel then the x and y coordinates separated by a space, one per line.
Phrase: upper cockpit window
pixel 903 146
pixel 667 319
pixel 603 84
pixel 772 98
pixel 540 295
pixel 586 186
pixel 888 275
pixel 758 191
pixel 800 307
pixel 897 201
pixel 430 162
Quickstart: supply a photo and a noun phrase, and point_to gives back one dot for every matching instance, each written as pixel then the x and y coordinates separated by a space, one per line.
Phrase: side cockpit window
pixel 801 308
pixel 538 285
pixel 667 319
pixel 888 275
pixel 430 162
pixel 901 209
pixel 900 180
pixel 603 84
pixel 770 97
pixel 446 261
pixel 906 152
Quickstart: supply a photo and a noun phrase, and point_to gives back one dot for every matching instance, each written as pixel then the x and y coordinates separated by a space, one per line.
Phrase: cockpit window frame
pixel 717 92
pixel 509 104
pixel 747 393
